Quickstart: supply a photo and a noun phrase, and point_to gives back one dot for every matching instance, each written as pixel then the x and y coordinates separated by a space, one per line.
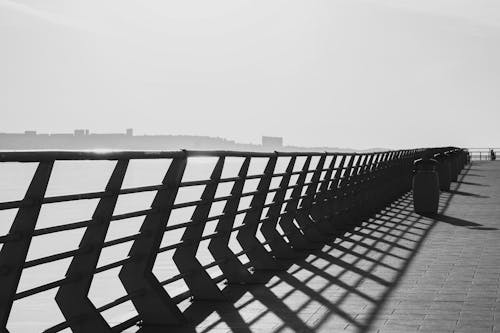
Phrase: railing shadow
pixel 468 194
pixel 344 285
pixel 461 222
pixel 474 184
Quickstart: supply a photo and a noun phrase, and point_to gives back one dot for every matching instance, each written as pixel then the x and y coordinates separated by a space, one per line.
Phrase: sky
pixel 348 73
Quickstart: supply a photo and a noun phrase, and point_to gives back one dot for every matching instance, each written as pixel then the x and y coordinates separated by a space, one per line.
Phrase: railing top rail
pixel 43 155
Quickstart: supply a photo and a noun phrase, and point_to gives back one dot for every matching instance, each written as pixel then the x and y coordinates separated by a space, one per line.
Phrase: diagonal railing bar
pixel 303 216
pixel 13 254
pixel 261 258
pixel 320 208
pixel 328 194
pixel 279 246
pixel 231 266
pixel 369 183
pixel 307 227
pixel 332 197
pixel 152 302
pixel 72 297
pixel 342 194
pixel 200 284
pixel 294 232
pixel 355 208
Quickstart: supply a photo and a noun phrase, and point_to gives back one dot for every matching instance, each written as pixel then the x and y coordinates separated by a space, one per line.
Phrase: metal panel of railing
pixel 292 208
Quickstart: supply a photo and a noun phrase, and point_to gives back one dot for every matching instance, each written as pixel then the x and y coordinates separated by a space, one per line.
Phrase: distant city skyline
pixel 128 140
pixel 269 140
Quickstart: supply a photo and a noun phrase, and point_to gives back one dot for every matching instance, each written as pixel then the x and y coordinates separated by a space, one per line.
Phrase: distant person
pixel 493 155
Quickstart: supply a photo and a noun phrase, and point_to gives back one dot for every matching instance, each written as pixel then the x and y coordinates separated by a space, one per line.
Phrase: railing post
pixel 394 174
pixel 354 191
pixel 400 184
pixel 72 298
pixel 231 266
pixel 333 200
pixel 320 210
pixel 292 211
pixel 342 196
pixel 398 168
pixel 371 187
pixel 408 170
pixel 301 238
pixel 403 172
pixel 388 175
pixel 14 251
pixel 362 197
pixel 385 177
pixel 280 248
pixel 200 284
pixel 376 183
pixel 261 259
pixel 152 302
pixel 295 236
pixel 311 227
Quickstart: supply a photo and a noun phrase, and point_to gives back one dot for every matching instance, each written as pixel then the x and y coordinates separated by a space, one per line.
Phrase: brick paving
pixel 397 272
pixel 452 284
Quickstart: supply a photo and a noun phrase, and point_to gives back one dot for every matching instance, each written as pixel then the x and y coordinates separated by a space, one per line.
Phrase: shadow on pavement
pixel 460 222
pixel 343 285
pixel 474 184
pixel 468 194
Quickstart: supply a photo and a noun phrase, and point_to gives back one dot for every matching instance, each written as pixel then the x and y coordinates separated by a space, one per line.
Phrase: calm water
pixel 40 311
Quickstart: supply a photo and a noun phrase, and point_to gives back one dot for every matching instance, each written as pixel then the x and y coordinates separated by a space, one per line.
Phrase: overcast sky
pixel 359 74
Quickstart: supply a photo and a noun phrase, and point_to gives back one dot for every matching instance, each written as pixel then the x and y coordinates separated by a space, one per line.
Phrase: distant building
pixel 272 142
pixel 29 132
pixel 130 131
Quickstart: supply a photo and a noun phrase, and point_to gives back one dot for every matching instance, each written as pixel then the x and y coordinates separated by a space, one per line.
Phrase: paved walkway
pixel 398 272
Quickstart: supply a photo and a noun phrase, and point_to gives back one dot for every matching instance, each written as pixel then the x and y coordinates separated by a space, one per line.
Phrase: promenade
pixel 397 272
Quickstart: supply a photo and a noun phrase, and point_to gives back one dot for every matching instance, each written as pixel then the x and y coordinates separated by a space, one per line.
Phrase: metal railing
pixel 482 154
pixel 318 195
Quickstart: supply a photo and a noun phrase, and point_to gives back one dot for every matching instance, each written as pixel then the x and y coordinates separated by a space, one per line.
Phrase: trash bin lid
pixel 440 157
pixel 425 164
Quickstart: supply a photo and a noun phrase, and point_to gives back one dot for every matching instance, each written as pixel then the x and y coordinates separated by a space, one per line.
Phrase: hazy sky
pixel 373 73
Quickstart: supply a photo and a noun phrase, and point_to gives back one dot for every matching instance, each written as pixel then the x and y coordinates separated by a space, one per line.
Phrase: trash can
pixel 443 170
pixel 425 186
pixel 454 171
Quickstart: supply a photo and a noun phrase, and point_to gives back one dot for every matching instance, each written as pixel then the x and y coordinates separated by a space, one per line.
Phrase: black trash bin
pixel 454 171
pixel 425 186
pixel 444 171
